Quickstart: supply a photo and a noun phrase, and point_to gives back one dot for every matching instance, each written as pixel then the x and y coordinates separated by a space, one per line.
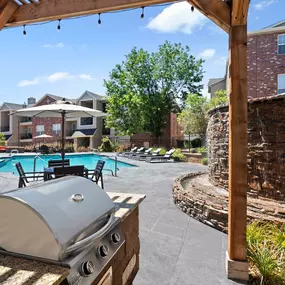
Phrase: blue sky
pixel 80 56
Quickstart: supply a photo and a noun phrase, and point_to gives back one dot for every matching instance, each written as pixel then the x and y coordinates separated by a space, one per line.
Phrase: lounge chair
pixel 144 156
pixel 24 177
pixel 97 174
pixel 140 150
pixel 161 158
pixel 134 149
pixel 58 163
pixel 146 152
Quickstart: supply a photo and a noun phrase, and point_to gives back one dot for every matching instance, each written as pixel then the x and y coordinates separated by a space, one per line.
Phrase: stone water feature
pixel 204 196
pixel 266 147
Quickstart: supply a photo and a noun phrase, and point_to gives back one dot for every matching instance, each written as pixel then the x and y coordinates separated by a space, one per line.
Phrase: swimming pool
pixel 27 161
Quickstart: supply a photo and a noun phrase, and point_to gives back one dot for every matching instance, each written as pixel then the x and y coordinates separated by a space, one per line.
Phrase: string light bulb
pixel 24 31
pixel 58 26
pixel 142 14
pixel 192 8
pixel 99 20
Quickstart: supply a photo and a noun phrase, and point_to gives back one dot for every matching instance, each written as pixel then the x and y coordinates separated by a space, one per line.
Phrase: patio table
pixel 49 171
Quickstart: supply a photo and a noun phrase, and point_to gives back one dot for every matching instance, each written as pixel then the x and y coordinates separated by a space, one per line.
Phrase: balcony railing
pixel 5 129
pixel 86 121
pixel 25 120
pixel 27 136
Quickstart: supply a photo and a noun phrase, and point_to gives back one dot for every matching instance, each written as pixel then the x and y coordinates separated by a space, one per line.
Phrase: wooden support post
pixel 238 153
pixel 7 10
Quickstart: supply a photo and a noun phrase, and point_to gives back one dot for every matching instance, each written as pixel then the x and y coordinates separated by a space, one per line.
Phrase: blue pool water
pixel 88 160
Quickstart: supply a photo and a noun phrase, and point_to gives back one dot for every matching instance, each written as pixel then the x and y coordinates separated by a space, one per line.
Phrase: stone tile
pixel 149 276
pixel 174 217
pixel 169 230
pixel 161 263
pixel 171 246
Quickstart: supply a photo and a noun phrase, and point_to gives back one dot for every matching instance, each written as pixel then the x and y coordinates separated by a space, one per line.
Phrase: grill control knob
pixel 87 268
pixel 115 237
pixel 103 251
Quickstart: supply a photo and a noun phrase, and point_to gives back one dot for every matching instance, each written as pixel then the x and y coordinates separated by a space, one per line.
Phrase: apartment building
pixel 86 132
pixel 266 63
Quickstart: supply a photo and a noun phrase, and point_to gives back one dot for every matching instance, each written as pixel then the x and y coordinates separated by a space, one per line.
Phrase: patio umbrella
pixel 61 109
pixel 43 136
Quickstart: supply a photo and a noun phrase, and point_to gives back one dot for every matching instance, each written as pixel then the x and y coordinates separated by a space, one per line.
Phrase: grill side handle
pixel 92 237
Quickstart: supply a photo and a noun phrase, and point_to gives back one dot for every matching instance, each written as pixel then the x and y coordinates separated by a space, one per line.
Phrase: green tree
pixel 221 98
pixel 146 87
pixel 193 117
pixel 2 139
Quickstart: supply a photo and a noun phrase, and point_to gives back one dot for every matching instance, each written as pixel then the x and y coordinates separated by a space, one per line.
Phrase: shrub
pixel 201 149
pixel 266 253
pixel 44 149
pixel 178 155
pixel 83 149
pixel 204 161
pixel 69 149
pixel 2 139
pixel 108 146
pixel 162 152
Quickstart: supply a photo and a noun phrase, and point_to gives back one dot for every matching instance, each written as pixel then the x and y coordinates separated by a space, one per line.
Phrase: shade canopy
pixel 63 110
pixel 56 111
pixel 43 136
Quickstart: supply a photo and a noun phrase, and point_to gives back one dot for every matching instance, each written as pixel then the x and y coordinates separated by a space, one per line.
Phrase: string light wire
pixel 111 12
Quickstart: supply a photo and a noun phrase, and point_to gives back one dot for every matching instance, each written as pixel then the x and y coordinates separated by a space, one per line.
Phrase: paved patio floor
pixel 175 249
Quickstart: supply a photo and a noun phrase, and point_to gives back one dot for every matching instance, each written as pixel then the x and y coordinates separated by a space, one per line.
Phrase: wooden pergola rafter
pixel 231 16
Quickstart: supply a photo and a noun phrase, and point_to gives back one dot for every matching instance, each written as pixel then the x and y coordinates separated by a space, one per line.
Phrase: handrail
pixel 116 165
pixel 35 163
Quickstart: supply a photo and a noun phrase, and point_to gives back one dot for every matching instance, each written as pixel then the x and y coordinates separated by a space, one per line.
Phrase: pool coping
pixel 31 154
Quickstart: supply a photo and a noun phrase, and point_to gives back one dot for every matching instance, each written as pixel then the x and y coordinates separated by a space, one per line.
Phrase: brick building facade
pixel 172 135
pixel 266 62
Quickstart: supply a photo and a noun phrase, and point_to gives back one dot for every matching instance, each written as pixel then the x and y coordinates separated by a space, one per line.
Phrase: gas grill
pixel 68 222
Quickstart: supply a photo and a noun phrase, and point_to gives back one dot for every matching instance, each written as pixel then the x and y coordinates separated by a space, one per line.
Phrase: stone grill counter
pixel 266 147
pixel 121 270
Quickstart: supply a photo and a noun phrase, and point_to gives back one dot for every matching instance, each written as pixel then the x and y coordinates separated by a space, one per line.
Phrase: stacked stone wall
pixel 266 147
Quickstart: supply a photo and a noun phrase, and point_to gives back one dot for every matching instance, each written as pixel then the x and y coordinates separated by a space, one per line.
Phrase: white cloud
pixel 24 83
pixel 85 76
pixel 59 45
pixel 57 76
pixel 263 4
pixel 177 18
pixel 207 53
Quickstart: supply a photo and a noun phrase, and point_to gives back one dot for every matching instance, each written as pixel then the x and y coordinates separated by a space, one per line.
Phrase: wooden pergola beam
pixel 216 10
pixel 7 9
pixel 240 12
pixel 46 10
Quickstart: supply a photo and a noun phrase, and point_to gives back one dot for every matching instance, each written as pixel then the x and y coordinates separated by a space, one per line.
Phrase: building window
pixel 40 130
pixel 281 44
pixel 281 83
pixel 86 121
pixel 56 128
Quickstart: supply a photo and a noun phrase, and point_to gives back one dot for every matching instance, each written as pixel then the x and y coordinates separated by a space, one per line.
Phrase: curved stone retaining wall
pixel 266 147
pixel 208 205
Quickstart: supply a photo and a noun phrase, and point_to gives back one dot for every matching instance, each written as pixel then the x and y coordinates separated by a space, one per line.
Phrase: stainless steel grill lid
pixel 53 218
